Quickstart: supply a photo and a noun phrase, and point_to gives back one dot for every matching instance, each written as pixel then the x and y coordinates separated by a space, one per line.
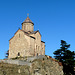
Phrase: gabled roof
pixel 24 33
pixel 27 20
pixel 34 32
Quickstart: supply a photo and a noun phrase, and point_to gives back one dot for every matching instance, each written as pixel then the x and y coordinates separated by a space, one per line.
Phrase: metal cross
pixel 27 14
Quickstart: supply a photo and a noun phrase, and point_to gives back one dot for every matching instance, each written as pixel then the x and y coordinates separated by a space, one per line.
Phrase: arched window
pixel 19 35
pixel 24 27
pixel 36 47
pixel 37 54
pixel 18 53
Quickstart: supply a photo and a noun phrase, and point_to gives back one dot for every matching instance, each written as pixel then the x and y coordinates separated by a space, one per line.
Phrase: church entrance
pixel 37 54
pixel 18 53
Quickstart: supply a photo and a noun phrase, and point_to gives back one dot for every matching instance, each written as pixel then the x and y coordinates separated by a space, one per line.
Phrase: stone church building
pixel 26 42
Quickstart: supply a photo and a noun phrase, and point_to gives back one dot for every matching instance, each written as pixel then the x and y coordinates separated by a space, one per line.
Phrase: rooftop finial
pixel 27 14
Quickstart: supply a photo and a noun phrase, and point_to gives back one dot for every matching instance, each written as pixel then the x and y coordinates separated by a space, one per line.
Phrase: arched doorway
pixel 18 53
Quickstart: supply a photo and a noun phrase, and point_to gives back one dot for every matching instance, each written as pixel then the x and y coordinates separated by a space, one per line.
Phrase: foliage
pixel 7 54
pixel 66 57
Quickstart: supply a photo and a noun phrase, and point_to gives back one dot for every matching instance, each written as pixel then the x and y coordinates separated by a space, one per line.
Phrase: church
pixel 26 41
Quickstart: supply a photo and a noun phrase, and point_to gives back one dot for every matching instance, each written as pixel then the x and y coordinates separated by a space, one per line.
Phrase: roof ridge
pixel 24 33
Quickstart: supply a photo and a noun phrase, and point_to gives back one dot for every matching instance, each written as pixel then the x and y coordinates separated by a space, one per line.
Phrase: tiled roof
pixel 33 32
pixel 43 41
pixel 27 20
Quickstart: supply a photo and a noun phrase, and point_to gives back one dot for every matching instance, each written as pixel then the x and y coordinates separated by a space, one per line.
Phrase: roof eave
pixel 27 22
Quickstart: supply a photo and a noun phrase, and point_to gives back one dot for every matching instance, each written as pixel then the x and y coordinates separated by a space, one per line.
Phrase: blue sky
pixel 55 19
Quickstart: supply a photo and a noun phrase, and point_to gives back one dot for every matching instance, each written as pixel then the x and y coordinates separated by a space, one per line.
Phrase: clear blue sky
pixel 55 20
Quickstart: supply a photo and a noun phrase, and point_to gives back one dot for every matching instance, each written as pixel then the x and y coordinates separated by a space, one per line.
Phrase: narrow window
pixel 19 35
pixel 18 53
pixel 36 47
pixel 37 54
pixel 24 27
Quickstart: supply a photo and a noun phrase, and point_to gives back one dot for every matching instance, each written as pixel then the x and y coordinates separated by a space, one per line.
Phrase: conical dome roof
pixel 27 20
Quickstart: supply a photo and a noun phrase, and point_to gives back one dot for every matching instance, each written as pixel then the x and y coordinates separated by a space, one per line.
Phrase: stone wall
pixel 17 62
pixel 39 46
pixel 21 44
pixel 39 65
pixel 23 61
pixel 42 48
pixel 27 27
pixel 24 45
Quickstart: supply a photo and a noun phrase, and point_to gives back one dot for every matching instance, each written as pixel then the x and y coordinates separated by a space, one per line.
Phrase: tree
pixel 7 54
pixel 66 57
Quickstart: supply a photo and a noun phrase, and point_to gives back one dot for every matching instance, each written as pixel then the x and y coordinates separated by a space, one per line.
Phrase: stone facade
pixel 26 42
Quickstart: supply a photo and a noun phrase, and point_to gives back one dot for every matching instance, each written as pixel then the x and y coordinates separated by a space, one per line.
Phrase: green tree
pixel 7 54
pixel 66 57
